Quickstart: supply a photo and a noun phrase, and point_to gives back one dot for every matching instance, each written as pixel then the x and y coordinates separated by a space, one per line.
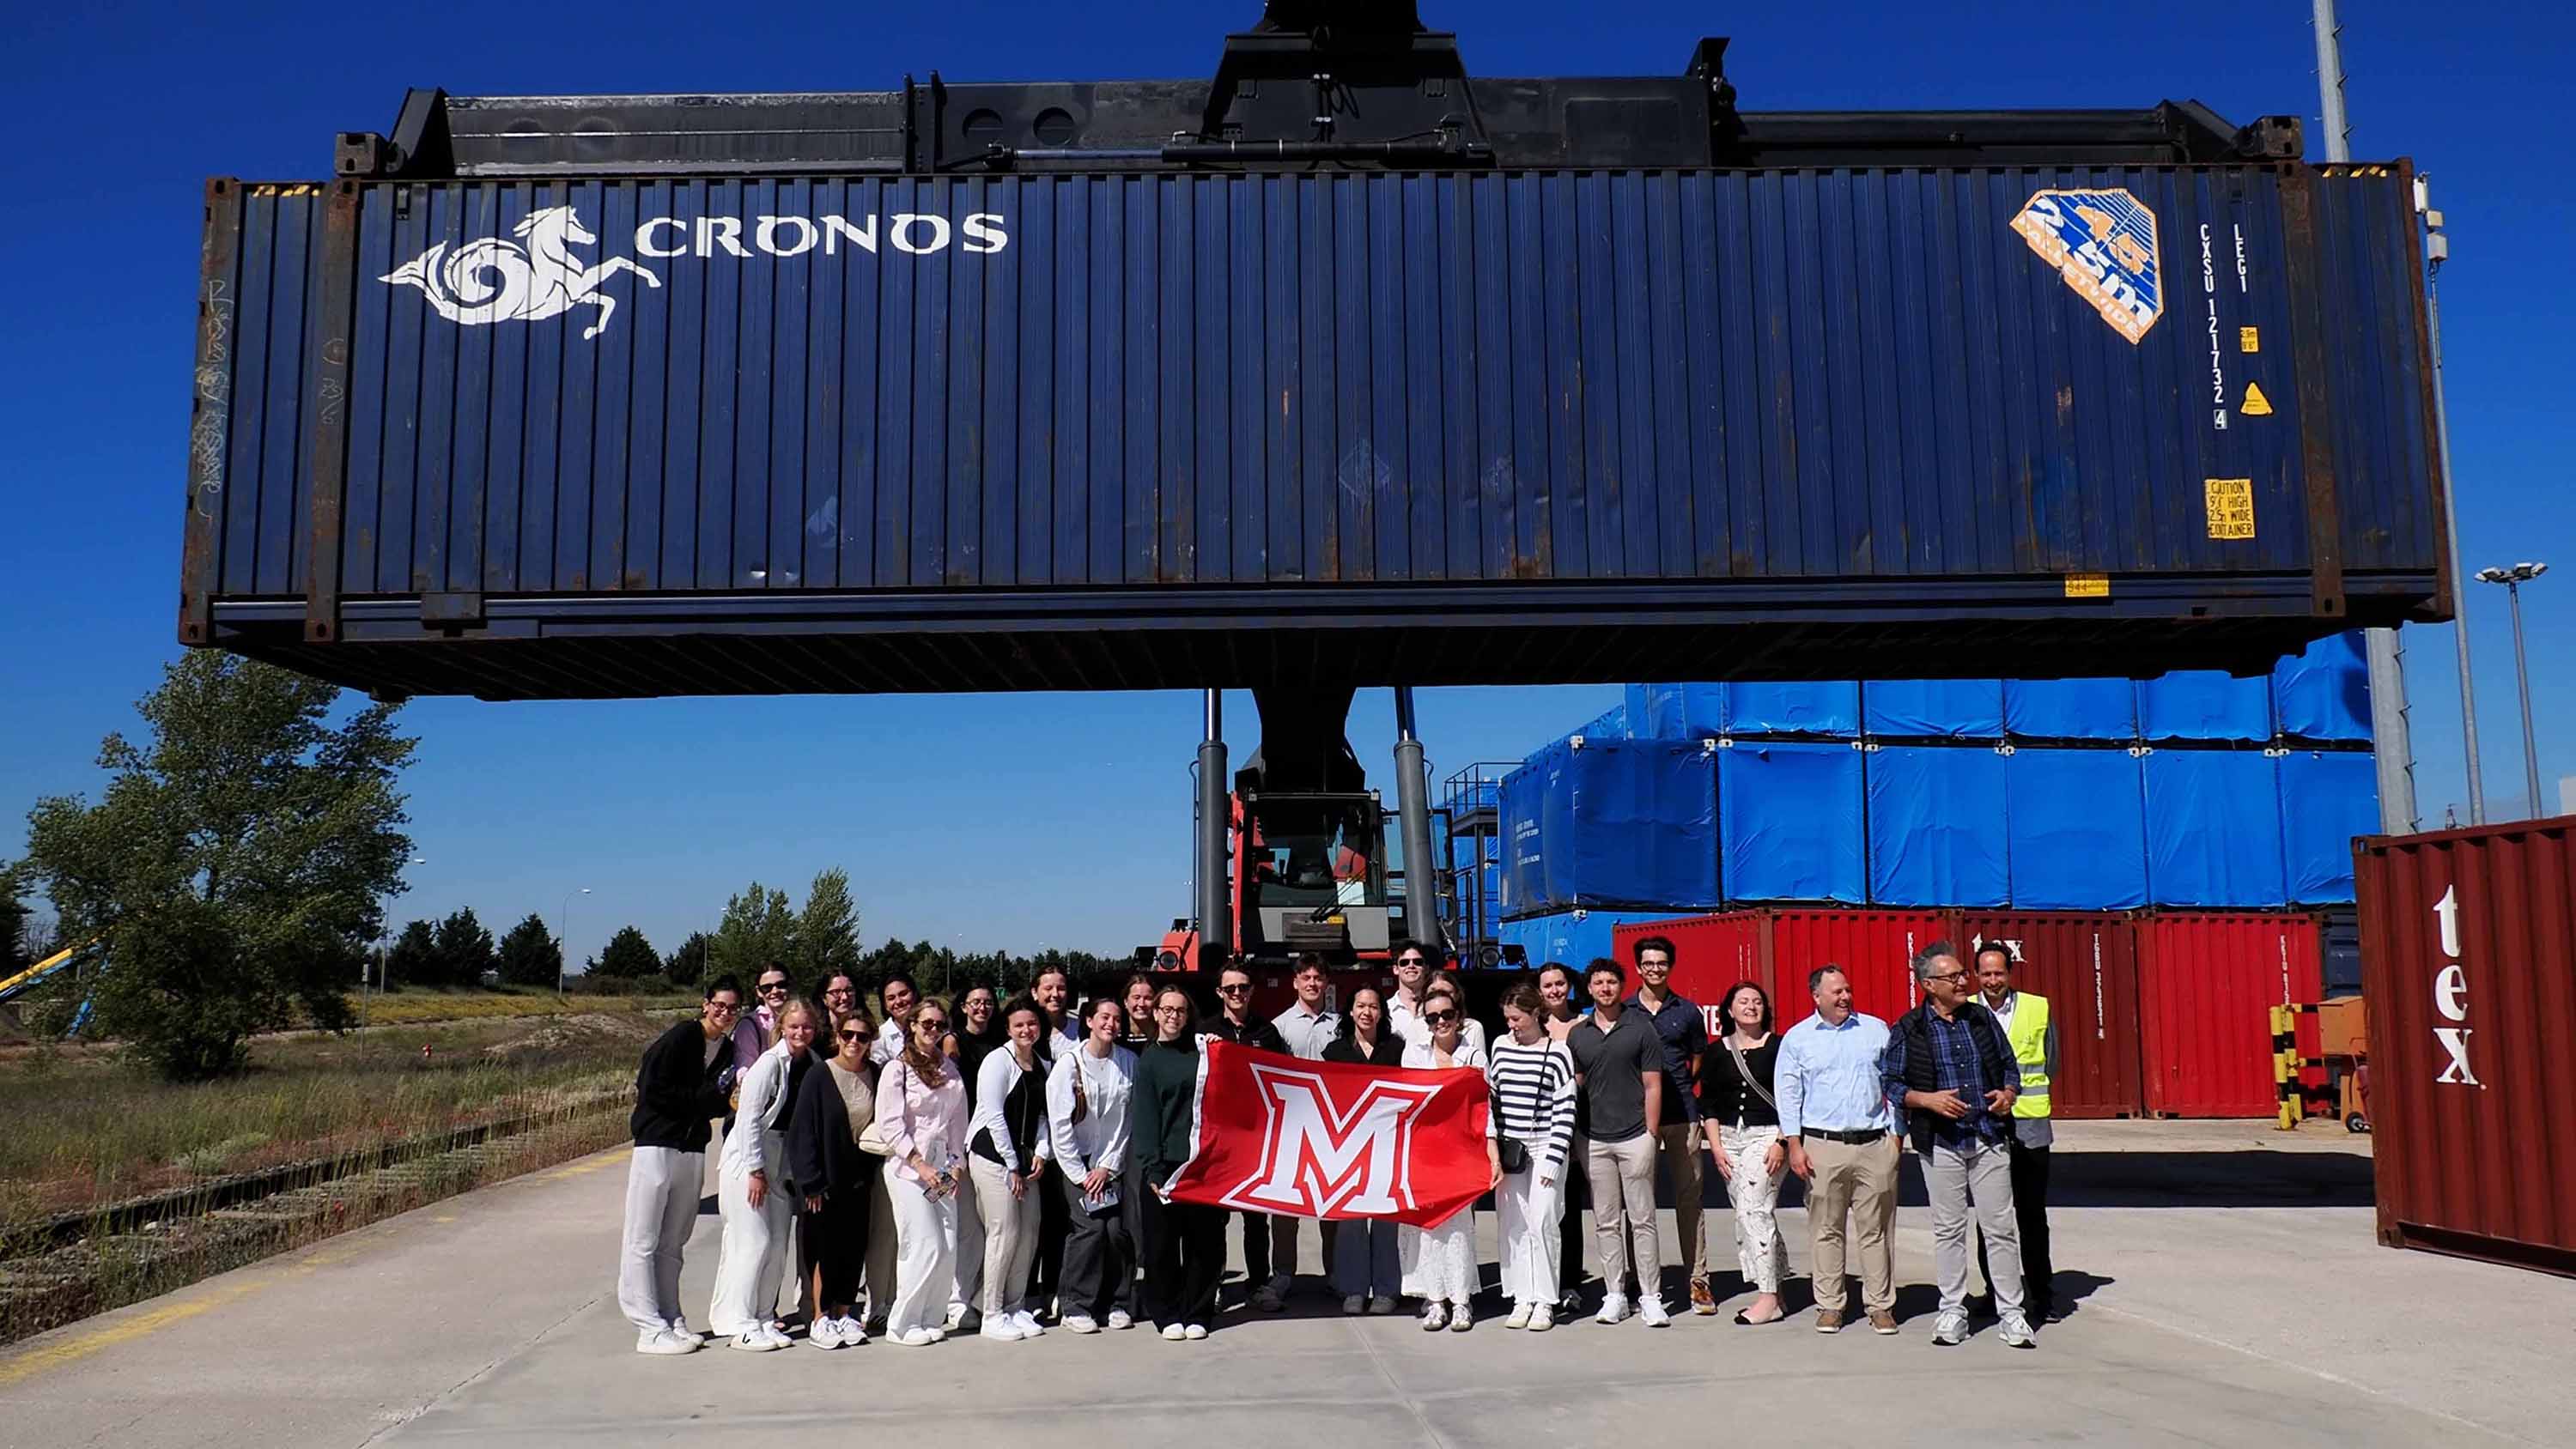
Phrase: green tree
pixel 827 930
pixel 628 956
pixel 530 955
pixel 688 964
pixel 758 929
pixel 464 949
pixel 234 864
pixel 413 961
pixel 14 956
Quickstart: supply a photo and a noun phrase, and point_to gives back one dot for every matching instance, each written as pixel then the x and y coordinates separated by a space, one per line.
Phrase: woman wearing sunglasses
pixel 1440 1261
pixel 835 1105
pixel 753 1189
pixel 924 1105
pixel 1366 1263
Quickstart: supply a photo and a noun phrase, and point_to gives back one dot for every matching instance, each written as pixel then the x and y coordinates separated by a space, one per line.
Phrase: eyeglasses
pixel 934 1023
pixel 1234 988
pixel 1171 1010
pixel 1440 1018
pixel 1949 976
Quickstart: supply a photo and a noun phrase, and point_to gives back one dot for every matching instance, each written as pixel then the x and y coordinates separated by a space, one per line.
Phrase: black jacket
pixel 1389 1053
pixel 1913 1032
pixel 1257 1032
pixel 823 1153
pixel 1162 1107
pixel 677 1090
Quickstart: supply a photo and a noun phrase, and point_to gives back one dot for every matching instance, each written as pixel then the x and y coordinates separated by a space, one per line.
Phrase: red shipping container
pixel 2085 963
pixel 1778 946
pixel 2207 981
pixel 2468 961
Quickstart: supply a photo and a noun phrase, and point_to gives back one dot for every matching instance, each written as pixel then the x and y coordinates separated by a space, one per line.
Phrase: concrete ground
pixel 2225 1284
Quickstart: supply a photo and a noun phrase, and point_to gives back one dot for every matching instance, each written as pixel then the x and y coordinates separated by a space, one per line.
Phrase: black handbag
pixel 1513 1153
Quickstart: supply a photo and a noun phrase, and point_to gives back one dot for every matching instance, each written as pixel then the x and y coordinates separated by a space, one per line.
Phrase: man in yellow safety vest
pixel 2032 1036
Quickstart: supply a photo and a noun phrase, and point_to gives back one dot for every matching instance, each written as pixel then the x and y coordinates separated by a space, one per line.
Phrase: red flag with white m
pixel 1276 1134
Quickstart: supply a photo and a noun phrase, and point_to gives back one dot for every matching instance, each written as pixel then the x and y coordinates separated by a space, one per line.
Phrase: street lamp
pixel 563 938
pixel 2513 579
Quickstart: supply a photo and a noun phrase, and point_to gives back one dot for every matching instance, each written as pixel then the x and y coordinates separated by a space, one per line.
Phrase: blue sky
pixel 1018 820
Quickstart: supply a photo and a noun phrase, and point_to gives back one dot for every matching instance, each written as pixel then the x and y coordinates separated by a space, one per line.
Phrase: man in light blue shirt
pixel 1835 1119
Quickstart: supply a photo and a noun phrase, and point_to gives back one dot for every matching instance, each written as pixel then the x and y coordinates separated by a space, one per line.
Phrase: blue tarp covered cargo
pixel 1959 709
pixel 1610 724
pixel 1826 708
pixel 1792 822
pixel 2214 828
pixel 2327 798
pixel 2203 704
pixel 1573 937
pixel 2071 709
pixel 2079 830
pixel 1613 824
pixel 2324 693
pixel 1938 834
pixel 1676 711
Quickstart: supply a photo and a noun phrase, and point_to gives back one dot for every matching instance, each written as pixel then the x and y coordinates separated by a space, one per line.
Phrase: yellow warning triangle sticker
pixel 2256 405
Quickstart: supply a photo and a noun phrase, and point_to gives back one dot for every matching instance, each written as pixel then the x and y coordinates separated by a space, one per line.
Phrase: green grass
pixel 90 1126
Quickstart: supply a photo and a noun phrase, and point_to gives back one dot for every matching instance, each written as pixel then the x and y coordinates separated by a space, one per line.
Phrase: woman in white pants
pixel 923 1103
pixel 752 1190
pixel 1007 1151
pixel 1735 1099
pixel 1531 1077
pixel 1440 1261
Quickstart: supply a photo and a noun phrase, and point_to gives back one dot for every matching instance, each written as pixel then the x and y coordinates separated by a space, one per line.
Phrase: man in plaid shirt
pixel 1951 1077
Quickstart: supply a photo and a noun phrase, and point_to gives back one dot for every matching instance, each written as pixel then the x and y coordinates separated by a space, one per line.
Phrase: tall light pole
pixel 563 938
pixel 2437 250
pixel 2513 579
pixel 2391 742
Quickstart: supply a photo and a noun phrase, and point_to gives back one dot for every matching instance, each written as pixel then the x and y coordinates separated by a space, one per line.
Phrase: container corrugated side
pixel 2469 966
pixel 2085 963
pixel 2207 981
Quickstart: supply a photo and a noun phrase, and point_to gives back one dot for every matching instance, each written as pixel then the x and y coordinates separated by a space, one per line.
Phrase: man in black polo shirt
pixel 1621 1093
pixel 1682 1032
pixel 1235 1022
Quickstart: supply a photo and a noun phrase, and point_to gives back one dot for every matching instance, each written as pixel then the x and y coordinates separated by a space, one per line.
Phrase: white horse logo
pixel 497 281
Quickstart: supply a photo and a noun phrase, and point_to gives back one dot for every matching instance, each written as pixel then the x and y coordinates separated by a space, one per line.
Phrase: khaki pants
pixel 1623 1213
pixel 1685 1157
pixel 1860 1181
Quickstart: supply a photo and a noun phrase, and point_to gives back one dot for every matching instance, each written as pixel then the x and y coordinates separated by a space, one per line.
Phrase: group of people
pixel 913 1171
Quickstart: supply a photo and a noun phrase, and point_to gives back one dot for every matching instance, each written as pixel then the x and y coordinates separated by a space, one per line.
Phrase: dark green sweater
pixel 1160 1107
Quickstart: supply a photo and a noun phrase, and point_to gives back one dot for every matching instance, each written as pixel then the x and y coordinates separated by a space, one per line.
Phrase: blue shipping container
pixel 2323 693
pixel 1622 823
pixel 1791 820
pixel 1958 709
pixel 2214 828
pixel 1939 834
pixel 2327 798
pixel 554 437
pixel 1573 937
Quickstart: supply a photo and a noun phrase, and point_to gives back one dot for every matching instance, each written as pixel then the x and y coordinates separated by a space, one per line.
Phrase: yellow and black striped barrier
pixel 2336 1098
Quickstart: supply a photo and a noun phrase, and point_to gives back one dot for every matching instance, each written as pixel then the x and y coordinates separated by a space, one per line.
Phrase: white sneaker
pixel 1520 1316
pixel 823 1333
pixel 1028 1324
pixel 1651 1309
pixel 1435 1317
pixel 758 1339
pixel 957 1317
pixel 1461 1318
pixel 2016 1332
pixel 1175 1332
pixel 1195 1332
pixel 1541 1320
pixel 1121 1318
pixel 680 1329
pixel 852 1332
pixel 663 1343
pixel 919 1337
pixel 1613 1308
pixel 1001 1327
pixel 1952 1328
pixel 1079 1323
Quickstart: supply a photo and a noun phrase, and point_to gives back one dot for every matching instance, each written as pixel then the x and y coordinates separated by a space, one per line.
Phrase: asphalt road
pixel 490 1319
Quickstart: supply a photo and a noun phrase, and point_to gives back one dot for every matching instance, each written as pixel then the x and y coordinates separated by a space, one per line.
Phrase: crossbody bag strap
pixel 1746 1072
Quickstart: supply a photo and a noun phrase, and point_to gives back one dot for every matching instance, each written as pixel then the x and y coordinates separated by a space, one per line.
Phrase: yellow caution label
pixel 2088 586
pixel 2256 405
pixel 2249 339
pixel 2231 507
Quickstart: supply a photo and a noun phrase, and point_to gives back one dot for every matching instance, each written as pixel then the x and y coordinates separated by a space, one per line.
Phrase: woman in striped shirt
pixel 1532 1079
